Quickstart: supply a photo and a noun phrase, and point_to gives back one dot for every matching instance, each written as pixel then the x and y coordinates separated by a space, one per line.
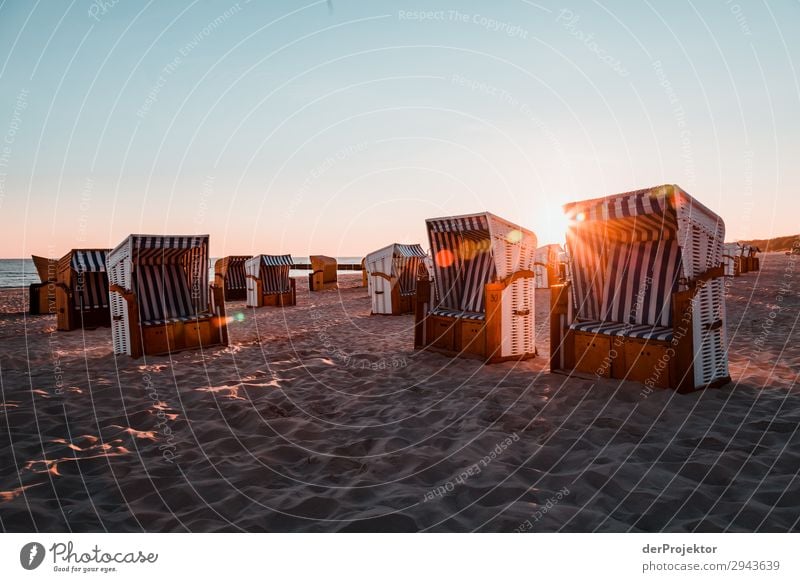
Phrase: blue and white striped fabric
pixel 463 261
pixel 93 260
pixel 640 279
pixel 447 268
pixel 90 283
pixel 164 294
pixel 647 332
pixel 406 261
pixel 275 273
pixel 90 290
pixel 625 257
pixel 235 275
pixel 170 277
pixel 443 311
pixel 585 251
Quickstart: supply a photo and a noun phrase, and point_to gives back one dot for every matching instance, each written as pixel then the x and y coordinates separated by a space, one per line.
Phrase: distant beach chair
pixel 744 260
pixel 268 281
pixel 42 295
pixel 753 264
pixel 364 276
pixel 392 278
pixel 161 300
pixel 646 297
pixel 82 290
pixel 323 273
pixel 230 276
pixel 483 300
pixel 732 259
pixel 548 266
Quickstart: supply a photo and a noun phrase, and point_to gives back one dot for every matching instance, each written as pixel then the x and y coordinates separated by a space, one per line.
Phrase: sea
pixel 22 272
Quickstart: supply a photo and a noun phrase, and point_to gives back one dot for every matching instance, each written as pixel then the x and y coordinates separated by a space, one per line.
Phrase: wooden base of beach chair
pixel 276 299
pixel 654 363
pixel 401 304
pixel 154 340
pixel 460 336
pixel 42 299
pixel 235 294
pixel 316 282
pixel 72 319
pixel 180 335
pixel 645 361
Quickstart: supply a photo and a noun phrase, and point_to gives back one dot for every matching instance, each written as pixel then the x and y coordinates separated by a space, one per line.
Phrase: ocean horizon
pixel 16 273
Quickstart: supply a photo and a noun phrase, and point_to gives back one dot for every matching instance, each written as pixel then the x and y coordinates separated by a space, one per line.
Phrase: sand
pixel 321 417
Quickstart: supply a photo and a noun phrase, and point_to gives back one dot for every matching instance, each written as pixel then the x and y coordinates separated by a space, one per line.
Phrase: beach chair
pixel 732 259
pixel 548 266
pixel 268 281
pixel 323 273
pixel 482 304
pixel 753 263
pixel 161 300
pixel 744 262
pixel 230 276
pixel 392 278
pixel 82 290
pixel 364 276
pixel 645 300
pixel 42 295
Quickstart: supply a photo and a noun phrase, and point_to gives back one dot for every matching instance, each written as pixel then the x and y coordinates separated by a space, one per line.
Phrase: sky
pixel 337 127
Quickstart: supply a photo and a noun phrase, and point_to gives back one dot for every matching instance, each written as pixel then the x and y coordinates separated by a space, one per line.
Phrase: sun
pixel 552 223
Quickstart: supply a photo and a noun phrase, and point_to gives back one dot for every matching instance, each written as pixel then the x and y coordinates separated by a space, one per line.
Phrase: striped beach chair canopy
pixel 470 251
pixel 547 257
pixel 273 271
pixel 405 260
pixel 89 260
pixel 88 280
pixel 231 270
pixel 730 252
pixel 629 252
pixel 169 275
pixel 548 254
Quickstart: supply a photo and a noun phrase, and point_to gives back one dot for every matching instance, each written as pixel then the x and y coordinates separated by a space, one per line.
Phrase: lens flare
pixel 514 236
pixel 444 258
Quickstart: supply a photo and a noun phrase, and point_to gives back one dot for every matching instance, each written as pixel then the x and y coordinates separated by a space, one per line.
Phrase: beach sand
pixel 321 417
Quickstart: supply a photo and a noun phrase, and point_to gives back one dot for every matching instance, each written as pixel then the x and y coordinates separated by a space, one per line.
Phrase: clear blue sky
pixel 338 127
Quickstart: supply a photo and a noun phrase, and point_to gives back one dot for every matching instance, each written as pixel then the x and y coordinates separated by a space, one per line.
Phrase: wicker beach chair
pixel 230 276
pixel 161 300
pixel 323 273
pixel 392 278
pixel 548 266
pixel 732 259
pixel 42 295
pixel 744 258
pixel 268 281
pixel 645 300
pixel 82 290
pixel 753 264
pixel 483 300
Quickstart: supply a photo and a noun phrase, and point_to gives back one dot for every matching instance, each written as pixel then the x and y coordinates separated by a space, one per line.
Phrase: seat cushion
pixel 184 319
pixel 446 312
pixel 613 328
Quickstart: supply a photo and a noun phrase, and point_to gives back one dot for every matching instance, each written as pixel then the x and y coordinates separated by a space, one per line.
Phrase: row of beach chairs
pixel 636 295
pixel 740 258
